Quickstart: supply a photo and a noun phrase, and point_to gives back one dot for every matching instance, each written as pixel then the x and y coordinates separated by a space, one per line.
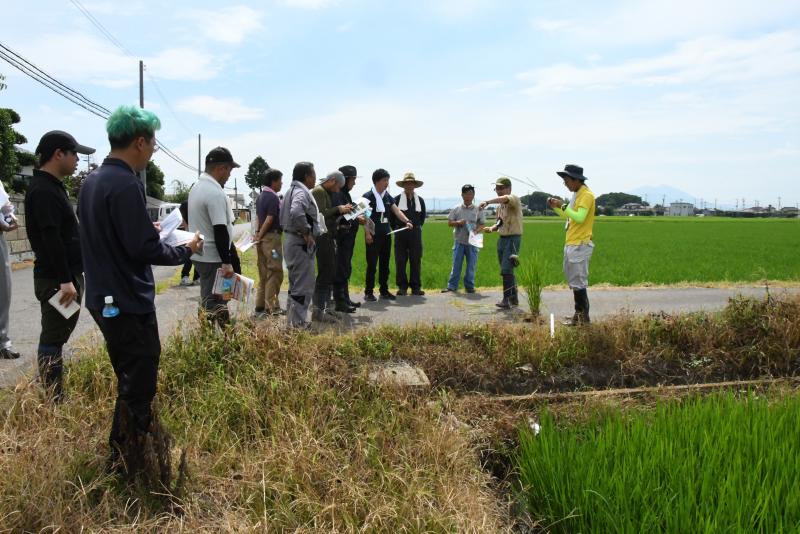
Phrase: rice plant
pixel 716 464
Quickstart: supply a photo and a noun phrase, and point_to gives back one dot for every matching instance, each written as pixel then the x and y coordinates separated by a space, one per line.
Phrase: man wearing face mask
pixel 210 214
pixel 53 232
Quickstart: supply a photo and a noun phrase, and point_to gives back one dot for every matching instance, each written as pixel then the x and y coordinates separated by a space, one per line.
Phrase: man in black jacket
pixel 53 233
pixel 408 243
pixel 345 244
pixel 120 244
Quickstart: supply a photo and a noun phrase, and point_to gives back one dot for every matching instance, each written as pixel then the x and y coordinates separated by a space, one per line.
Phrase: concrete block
pixel 399 373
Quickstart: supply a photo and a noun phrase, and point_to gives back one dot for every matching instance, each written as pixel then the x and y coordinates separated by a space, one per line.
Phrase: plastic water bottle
pixel 275 254
pixel 110 309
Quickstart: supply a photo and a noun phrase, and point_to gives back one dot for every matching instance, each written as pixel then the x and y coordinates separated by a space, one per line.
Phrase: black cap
pixel 220 155
pixel 349 171
pixel 467 187
pixel 51 141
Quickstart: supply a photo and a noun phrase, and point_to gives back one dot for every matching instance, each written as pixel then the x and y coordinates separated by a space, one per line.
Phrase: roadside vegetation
pixel 285 432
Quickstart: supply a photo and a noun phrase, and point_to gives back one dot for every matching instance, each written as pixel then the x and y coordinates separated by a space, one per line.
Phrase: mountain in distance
pixel 654 194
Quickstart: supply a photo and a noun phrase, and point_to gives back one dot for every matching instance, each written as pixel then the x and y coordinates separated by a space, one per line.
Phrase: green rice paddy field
pixel 631 251
pixel 724 463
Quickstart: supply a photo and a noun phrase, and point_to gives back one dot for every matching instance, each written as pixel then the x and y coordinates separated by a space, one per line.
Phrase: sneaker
pixel 470 290
pixel 448 290
pixel 260 313
pixel 402 292
pixel 369 297
pixel 387 295
pixel 514 259
pixel 417 292
pixel 277 311
pixel 344 307
pixel 9 354
pixel 185 281
pixel 503 304
pixel 353 304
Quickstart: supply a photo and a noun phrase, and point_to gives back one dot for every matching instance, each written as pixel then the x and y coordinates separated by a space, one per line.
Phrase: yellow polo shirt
pixel 578 234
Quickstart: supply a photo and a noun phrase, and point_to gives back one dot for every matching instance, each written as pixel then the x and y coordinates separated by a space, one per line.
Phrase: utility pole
pixel 198 155
pixel 141 105
pixel 236 192
pixel 779 203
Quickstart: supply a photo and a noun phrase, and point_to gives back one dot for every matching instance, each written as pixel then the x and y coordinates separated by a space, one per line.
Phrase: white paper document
pixel 236 287
pixel 362 205
pixel 245 242
pixel 67 311
pixel 476 239
pixel 170 223
pixel 179 237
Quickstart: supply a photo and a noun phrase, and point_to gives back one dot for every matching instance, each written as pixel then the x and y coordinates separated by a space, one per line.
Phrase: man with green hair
pixel 119 244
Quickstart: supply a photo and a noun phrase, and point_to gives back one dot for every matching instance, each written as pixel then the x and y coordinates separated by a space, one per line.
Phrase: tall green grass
pixel 715 464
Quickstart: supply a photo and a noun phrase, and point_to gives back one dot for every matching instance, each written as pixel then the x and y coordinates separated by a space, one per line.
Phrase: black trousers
pixel 55 328
pixel 326 269
pixel 345 244
pixel 408 249
pixel 134 350
pixel 187 267
pixel 378 255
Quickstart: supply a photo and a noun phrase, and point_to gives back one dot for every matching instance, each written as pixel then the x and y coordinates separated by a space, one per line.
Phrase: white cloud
pixel 311 4
pixel 458 9
pixel 228 110
pixel 102 64
pixel 229 25
pixel 703 60
pixel 481 86
pixel 656 21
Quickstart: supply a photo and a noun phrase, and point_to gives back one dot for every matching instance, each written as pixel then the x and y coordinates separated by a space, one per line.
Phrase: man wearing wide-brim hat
pixel 408 244
pixel 579 246
pixel 509 226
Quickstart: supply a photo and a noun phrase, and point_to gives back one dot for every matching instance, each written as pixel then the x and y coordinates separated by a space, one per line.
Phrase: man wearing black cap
pixel 345 243
pixel 210 214
pixel 53 233
pixel 579 246
pixel 379 244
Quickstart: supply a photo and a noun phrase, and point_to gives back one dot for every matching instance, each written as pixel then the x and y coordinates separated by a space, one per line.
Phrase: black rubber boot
pixel 584 297
pixel 51 371
pixel 513 299
pixel 505 304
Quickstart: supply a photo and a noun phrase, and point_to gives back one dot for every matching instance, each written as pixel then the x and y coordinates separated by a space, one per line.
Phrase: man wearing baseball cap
pixel 345 243
pixel 509 226
pixel 53 233
pixel 579 246
pixel 462 219
pixel 210 214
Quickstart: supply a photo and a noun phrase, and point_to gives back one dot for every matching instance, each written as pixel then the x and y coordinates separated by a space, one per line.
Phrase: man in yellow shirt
pixel 509 226
pixel 579 247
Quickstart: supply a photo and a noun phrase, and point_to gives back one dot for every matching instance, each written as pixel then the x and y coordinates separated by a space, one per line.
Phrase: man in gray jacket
pixel 299 218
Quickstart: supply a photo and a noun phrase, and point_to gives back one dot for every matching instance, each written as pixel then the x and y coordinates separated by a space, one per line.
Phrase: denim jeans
pixel 461 251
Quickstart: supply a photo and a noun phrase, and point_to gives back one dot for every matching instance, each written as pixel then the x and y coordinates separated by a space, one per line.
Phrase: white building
pixel 681 209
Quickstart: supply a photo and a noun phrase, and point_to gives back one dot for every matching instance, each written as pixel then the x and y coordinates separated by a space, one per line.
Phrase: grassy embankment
pixel 284 432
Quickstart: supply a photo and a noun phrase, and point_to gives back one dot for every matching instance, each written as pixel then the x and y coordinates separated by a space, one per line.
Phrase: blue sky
pixel 701 96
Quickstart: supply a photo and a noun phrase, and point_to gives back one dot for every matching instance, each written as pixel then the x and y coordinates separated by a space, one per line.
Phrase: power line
pixel 96 23
pixel 32 74
pixel 50 79
pixel 117 43
pixel 67 92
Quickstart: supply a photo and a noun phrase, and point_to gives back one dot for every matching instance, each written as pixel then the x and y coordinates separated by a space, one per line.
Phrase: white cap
pixel 109 299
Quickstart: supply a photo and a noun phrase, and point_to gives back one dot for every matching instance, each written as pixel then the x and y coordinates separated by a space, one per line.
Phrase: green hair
pixel 129 122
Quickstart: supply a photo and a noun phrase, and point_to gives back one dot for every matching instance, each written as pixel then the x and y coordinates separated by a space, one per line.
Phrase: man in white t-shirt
pixel 210 215
pixel 8 223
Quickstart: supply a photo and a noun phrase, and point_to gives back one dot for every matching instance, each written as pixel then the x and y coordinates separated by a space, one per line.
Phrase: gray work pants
pixel 215 307
pixel 300 264
pixel 5 293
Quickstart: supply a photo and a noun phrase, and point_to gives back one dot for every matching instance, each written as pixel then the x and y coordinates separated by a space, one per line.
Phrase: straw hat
pixel 409 178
